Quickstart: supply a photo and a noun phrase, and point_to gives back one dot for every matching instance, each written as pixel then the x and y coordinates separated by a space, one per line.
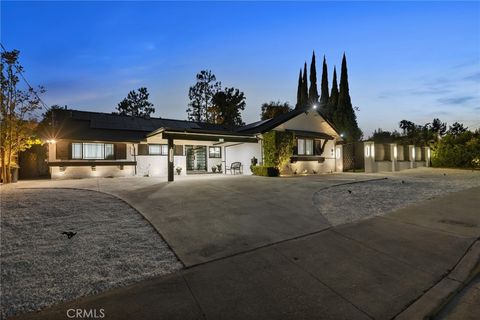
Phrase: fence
pixel 371 157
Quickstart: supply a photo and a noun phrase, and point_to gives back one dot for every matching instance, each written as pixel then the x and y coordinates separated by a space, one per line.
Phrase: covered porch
pixel 195 152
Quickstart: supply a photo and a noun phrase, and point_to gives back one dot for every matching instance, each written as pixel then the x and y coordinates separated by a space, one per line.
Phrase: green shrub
pixel 277 148
pixel 265 171
pixel 457 151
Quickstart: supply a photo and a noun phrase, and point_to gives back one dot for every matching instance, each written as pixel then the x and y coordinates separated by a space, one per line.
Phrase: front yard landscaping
pixel 351 202
pixel 113 246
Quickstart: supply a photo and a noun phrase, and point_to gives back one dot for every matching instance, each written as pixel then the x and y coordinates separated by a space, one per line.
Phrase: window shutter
pixel 120 151
pixel 143 149
pixel 63 150
pixel 178 150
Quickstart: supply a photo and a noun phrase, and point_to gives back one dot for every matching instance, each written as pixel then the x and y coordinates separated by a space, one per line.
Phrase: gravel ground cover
pixel 114 246
pixel 350 202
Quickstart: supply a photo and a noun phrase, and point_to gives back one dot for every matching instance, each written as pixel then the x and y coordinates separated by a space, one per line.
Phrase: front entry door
pixel 196 158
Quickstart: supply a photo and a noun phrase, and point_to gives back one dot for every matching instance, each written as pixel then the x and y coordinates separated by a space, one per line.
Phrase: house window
pixel 93 151
pixel 76 151
pixel 109 153
pixel 158 149
pixel 301 146
pixel 214 152
pixel 305 147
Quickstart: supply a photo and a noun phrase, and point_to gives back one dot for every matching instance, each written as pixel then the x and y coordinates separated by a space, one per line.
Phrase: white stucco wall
pixel 87 172
pixel 243 153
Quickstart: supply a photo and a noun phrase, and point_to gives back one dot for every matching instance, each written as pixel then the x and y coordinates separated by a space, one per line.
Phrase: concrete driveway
pixel 204 218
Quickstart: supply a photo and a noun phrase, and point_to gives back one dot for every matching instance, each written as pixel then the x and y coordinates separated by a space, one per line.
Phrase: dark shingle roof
pixel 85 125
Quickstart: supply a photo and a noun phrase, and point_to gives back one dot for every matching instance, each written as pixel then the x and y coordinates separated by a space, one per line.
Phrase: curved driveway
pixel 204 218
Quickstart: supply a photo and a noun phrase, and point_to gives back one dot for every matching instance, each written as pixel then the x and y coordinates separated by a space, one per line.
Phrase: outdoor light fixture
pixel 341 135
pixel 51 141
pixel 94 168
pixel 221 140
pixel 120 167
pixel 314 107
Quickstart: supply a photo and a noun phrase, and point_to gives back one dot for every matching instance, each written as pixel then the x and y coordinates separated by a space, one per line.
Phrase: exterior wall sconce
pixel 51 141
pixel 94 168
pixel 120 167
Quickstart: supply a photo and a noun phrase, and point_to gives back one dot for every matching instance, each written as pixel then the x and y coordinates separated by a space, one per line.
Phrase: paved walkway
pixel 214 216
pixel 373 269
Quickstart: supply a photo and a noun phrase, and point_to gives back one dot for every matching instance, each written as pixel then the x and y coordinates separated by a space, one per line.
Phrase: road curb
pixel 437 297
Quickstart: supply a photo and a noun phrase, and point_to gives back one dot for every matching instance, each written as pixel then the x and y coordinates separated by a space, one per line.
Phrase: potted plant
pixel 214 169
pixel 179 170
pixel 219 168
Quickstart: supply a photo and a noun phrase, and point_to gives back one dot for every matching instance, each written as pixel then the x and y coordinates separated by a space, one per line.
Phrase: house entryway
pixel 196 159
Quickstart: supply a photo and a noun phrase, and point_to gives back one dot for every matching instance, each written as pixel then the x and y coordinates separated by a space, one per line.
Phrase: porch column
pixel 170 159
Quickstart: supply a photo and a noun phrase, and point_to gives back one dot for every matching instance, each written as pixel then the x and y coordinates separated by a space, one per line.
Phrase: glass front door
pixel 196 158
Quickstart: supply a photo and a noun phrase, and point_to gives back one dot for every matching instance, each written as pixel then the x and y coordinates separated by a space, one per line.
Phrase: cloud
pixel 456 100
pixel 475 77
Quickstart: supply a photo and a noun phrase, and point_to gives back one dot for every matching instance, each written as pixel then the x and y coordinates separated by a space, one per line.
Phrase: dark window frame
pixel 314 149
pixel 104 145
pixel 215 153
pixel 161 149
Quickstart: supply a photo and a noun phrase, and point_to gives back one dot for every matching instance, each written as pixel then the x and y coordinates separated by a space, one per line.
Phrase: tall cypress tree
pixel 313 91
pixel 324 94
pixel 344 117
pixel 333 100
pixel 299 91
pixel 304 87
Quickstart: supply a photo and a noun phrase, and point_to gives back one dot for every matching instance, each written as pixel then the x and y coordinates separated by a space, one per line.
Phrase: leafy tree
pixel 17 118
pixel 227 105
pixel 299 91
pixel 344 117
pixel 457 151
pixel 313 91
pixel 201 97
pixel 329 109
pixel 273 109
pixel 439 127
pixel 304 99
pixel 324 94
pixel 380 136
pixel 136 104
pixel 456 129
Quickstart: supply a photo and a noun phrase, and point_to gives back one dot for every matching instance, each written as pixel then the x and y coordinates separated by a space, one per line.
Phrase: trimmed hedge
pixel 265 171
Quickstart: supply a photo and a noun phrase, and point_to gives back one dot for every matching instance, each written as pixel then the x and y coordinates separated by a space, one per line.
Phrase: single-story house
pixel 93 144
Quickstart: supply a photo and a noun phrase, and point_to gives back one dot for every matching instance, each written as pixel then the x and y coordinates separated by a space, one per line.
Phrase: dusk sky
pixel 406 60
